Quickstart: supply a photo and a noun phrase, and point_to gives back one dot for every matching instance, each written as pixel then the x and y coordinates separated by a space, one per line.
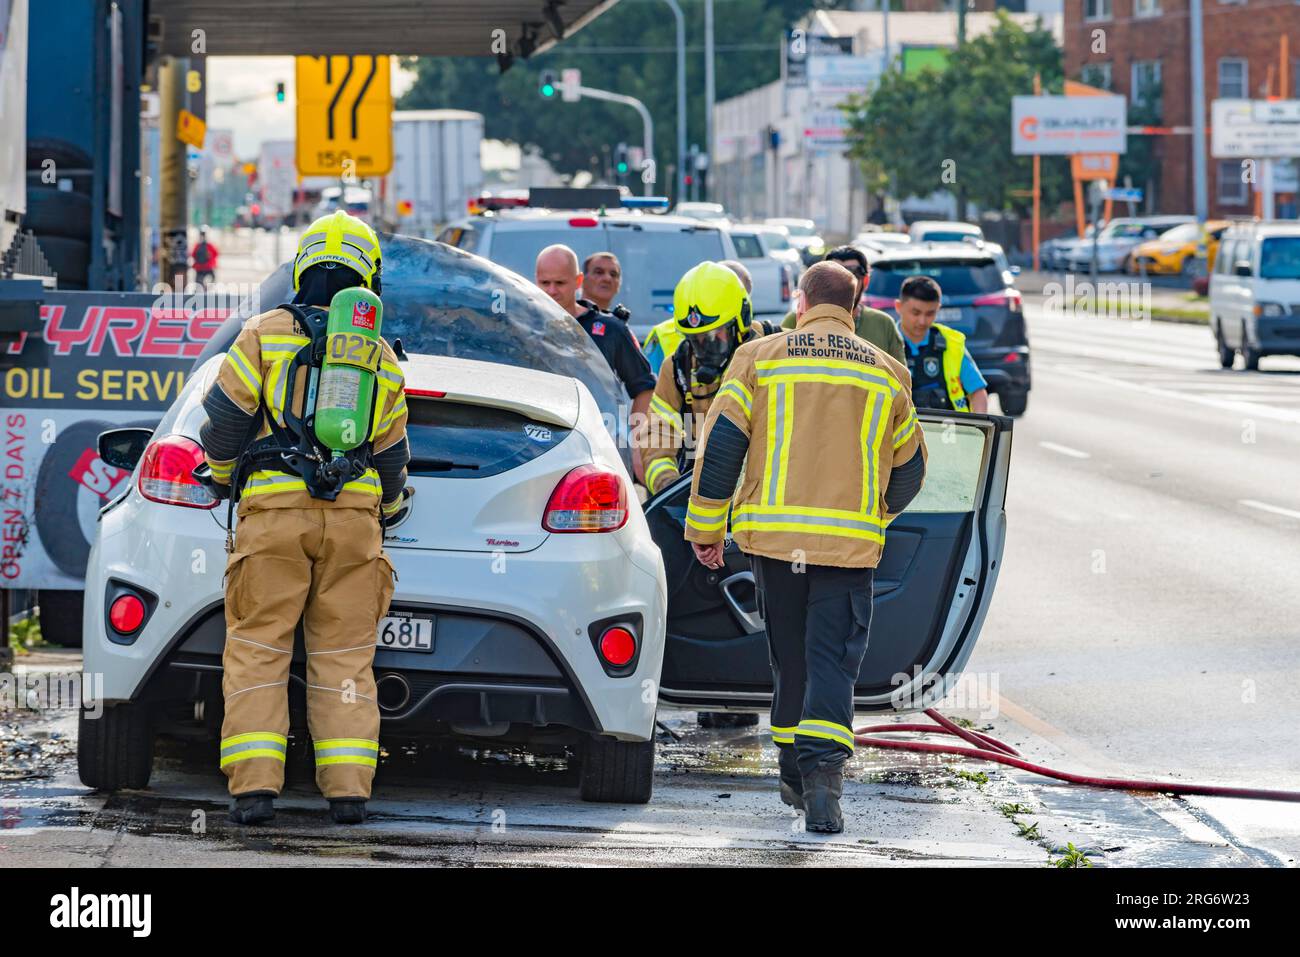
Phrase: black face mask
pixel 318 284
pixel 712 353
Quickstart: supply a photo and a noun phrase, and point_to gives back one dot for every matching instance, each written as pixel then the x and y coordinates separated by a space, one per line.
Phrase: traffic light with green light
pixel 547 86
pixel 620 159
pixel 279 92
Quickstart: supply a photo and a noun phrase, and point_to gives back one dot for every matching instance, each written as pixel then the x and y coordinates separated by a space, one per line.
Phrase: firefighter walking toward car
pixel 711 312
pixel 817 427
pixel 309 539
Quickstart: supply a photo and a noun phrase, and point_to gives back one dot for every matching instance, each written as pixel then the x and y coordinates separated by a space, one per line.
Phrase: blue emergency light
pixel 645 202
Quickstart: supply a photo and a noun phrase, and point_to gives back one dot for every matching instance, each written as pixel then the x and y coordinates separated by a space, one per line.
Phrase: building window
pixel 1233 79
pixel 1096 9
pixel 1097 74
pixel 1146 8
pixel 1144 87
pixel 1230 184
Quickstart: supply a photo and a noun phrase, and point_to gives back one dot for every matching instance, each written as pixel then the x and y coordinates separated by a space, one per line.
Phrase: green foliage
pixel 1073 857
pixel 913 127
pixel 24 634
pixel 630 49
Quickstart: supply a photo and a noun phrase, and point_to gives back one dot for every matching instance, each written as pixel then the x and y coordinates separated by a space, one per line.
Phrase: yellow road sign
pixel 345 116
pixel 190 129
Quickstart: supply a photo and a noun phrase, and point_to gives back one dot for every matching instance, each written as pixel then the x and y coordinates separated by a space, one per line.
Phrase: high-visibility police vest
pixel 666 337
pixel 951 353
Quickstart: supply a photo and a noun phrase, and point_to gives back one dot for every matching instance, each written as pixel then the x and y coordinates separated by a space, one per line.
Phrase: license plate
pixel 405 633
pixel 950 314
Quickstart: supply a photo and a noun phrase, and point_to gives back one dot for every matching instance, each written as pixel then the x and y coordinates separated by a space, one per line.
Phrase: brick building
pixel 1141 49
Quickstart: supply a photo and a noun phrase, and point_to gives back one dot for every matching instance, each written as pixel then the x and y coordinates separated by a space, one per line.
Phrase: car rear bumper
pixel 1006 369
pixel 513 639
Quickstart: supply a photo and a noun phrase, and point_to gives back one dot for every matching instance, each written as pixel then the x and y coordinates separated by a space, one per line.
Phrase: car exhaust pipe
pixel 393 692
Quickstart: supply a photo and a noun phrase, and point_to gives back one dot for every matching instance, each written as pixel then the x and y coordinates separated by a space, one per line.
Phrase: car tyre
pixel 1227 355
pixel 615 772
pixel 1013 403
pixel 1250 355
pixel 61 617
pixel 115 750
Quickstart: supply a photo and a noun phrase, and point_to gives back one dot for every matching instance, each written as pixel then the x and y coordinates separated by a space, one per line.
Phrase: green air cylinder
pixel 347 377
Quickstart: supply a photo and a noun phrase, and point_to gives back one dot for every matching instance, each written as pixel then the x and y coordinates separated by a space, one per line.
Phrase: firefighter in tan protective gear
pixel 811 448
pixel 711 312
pixel 309 541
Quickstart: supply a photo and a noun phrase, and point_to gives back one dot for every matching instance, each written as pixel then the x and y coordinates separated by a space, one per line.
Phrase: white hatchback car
pixel 530 600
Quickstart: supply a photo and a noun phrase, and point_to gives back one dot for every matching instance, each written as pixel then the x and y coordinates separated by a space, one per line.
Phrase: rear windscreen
pixel 456 440
pixel 965 277
pixel 517 249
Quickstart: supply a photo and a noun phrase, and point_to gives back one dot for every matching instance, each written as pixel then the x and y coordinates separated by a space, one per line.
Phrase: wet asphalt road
pixel 1147 613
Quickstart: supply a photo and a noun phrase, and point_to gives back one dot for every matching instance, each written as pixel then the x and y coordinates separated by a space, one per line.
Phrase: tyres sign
pixel 101 361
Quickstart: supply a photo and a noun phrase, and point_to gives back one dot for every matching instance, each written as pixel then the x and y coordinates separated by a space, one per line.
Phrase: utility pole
pixel 681 98
pixel 961 22
pixel 709 91
pixel 1200 192
pixel 648 171
pixel 173 214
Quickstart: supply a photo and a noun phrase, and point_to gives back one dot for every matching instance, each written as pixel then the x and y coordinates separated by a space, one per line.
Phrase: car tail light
pixel 126 614
pixel 1011 357
pixel 427 393
pixel 1007 297
pixel 590 498
pixel 584 221
pixel 618 646
pixel 878 302
pixel 166 473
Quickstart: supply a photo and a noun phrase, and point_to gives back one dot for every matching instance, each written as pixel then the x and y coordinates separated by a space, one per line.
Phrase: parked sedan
pixel 1116 242
pixel 1176 251
pixel 803 237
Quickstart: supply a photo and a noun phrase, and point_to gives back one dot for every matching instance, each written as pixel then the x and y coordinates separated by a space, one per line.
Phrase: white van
pixel 1255 292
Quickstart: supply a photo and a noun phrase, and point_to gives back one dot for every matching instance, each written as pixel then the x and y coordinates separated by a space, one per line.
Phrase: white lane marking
pixel 1065 450
pixel 1265 507
pixel 1248 408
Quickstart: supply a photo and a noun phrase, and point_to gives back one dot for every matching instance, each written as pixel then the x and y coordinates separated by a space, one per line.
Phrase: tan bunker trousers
pixel 326 566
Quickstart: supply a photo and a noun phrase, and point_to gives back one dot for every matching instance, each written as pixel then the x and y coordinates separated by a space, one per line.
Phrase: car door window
pixel 952 479
pixel 747 247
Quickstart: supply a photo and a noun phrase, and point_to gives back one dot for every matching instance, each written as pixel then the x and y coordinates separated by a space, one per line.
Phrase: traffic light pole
pixel 648 171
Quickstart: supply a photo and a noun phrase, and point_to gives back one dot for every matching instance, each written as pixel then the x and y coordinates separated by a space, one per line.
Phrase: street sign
pixel 799 46
pixel 1086 166
pixel 190 129
pixel 1057 125
pixel 570 85
pixel 1123 194
pixel 832 77
pixel 345 115
pixel 826 129
pixel 1238 132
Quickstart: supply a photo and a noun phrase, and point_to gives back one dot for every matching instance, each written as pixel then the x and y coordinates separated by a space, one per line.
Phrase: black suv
pixel 979 300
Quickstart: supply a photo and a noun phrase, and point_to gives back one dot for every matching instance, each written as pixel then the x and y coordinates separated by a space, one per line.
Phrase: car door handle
pixel 749 619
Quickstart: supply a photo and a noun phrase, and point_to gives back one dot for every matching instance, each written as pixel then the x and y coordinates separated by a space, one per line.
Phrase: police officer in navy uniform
pixel 557 273
pixel 944 376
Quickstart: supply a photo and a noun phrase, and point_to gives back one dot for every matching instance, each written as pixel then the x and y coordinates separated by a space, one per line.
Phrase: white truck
pixel 436 169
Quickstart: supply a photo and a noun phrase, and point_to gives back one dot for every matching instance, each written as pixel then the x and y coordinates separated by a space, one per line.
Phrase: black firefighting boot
pixel 256 807
pixel 821 797
pixel 348 810
pixel 791 781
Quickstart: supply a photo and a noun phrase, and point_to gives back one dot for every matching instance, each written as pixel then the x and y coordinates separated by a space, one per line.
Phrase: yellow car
pixel 1174 251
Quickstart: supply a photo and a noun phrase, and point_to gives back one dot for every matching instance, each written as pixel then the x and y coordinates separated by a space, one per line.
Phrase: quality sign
pixel 1061 125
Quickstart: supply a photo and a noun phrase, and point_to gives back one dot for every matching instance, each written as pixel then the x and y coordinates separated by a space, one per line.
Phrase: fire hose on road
pixel 989 748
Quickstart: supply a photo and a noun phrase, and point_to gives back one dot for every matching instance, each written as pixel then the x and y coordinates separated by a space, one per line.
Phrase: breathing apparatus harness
pixel 294 447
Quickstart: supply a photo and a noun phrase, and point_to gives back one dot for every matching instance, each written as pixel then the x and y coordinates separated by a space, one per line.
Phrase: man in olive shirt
pixel 875 326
